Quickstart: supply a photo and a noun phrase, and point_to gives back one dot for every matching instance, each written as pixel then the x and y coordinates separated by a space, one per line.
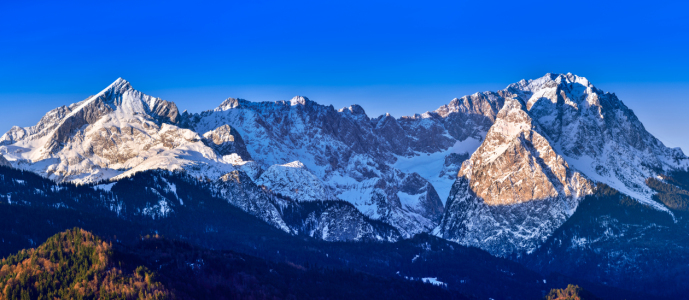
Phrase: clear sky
pixel 400 57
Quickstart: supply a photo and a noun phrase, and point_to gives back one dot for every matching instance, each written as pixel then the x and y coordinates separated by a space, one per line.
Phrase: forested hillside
pixel 75 264
pixel 38 208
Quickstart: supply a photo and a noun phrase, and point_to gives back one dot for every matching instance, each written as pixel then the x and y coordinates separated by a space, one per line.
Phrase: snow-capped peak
pixel 297 100
pixel 229 103
pixel 118 85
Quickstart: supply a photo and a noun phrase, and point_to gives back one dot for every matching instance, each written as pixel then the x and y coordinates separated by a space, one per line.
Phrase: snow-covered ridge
pixel 117 132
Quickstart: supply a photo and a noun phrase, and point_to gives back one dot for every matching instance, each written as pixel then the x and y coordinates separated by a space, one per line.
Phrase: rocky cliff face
pixel 596 133
pixel 346 155
pixel 4 162
pixel 550 141
pixel 226 141
pixel 516 164
pixel 514 191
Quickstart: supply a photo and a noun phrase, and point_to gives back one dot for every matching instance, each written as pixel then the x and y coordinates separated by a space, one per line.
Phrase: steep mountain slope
pixel 514 172
pixel 514 191
pixel 44 208
pixel 117 132
pixel 597 134
pixel 553 138
pixel 121 131
pixel 175 200
pixel 618 241
pixel 75 265
pixel 4 162
pixel 295 181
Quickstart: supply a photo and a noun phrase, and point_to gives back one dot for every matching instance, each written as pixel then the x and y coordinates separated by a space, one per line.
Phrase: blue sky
pixel 399 57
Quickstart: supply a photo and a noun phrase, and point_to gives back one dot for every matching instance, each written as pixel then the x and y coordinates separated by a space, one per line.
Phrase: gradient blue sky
pixel 399 57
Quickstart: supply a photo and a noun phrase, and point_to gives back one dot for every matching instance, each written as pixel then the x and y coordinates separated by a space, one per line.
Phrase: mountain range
pixel 546 172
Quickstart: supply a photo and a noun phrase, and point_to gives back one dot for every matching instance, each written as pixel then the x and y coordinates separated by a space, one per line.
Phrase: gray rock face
pixel 295 181
pixel 121 131
pixel 327 220
pixel 502 229
pixel 344 149
pixel 516 164
pixel 353 155
pixel 453 162
pixel 471 116
pixel 225 141
pixel 337 221
pixel 429 203
pixel 514 191
pixel 240 191
pixel 4 162
pixel 45 126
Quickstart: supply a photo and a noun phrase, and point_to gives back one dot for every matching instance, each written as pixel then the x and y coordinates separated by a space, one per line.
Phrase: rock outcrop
pixel 514 191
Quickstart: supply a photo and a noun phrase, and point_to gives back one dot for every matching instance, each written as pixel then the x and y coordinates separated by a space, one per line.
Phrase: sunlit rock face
pixel 553 138
pixel 514 191
pixel 596 133
pixel 516 164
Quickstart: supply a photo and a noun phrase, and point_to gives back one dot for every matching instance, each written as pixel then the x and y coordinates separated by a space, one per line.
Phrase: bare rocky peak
pixel 514 191
pixel 225 140
pixel 596 133
pixel 46 125
pixel 299 100
pixel 516 164
pixel 471 116
pixel 353 109
pixel 343 148
pixel 116 130
pixel 230 103
pixel 118 98
pixel 553 138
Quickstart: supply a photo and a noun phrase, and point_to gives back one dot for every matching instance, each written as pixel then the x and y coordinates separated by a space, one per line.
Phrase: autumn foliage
pixel 74 265
pixel 572 292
